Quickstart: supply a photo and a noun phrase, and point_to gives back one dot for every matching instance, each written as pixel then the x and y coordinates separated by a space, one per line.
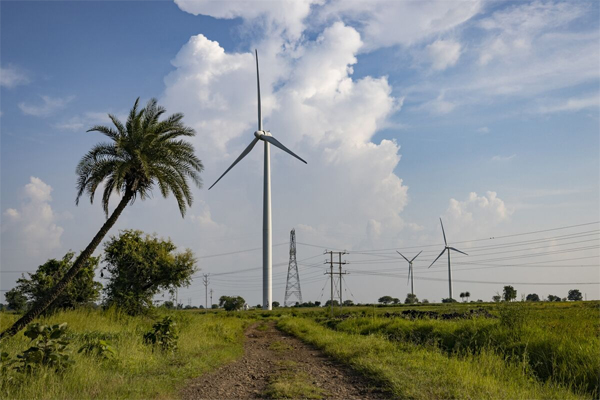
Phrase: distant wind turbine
pixel 266 137
pixel 449 267
pixel 410 271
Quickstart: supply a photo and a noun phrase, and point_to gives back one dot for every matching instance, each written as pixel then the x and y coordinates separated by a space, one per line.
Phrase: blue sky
pixel 402 109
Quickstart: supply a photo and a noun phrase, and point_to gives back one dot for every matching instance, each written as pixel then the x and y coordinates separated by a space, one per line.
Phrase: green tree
pixel 82 290
pixel 496 298
pixel 385 300
pixel 276 304
pixel 335 303
pixel 575 295
pixel 16 300
pixel 552 297
pixel 141 266
pixel 449 300
pixel 468 295
pixel 396 300
pixel 348 303
pixel 142 153
pixel 509 293
pixel 532 297
pixel 411 299
pixel 231 303
pixel 462 296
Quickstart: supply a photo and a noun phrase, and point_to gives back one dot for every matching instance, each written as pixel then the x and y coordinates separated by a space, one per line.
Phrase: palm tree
pixel 142 153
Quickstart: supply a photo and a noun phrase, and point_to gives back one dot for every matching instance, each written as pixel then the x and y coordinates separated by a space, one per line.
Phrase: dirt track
pixel 268 353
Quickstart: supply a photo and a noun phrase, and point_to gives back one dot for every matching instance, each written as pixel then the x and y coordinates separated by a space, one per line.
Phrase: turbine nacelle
pixel 259 134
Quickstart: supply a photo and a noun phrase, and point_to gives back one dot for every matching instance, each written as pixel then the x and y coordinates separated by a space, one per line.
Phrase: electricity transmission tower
pixel 206 281
pixel 292 285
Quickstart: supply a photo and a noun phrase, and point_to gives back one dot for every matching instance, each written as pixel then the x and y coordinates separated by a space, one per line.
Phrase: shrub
pixel 163 335
pixel 98 348
pixel 48 350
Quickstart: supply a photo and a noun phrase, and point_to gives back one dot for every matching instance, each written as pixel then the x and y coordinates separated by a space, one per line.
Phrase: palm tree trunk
pixel 77 265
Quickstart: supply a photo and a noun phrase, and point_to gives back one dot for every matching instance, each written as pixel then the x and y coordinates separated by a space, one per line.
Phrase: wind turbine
pixel 410 271
pixel 448 248
pixel 267 138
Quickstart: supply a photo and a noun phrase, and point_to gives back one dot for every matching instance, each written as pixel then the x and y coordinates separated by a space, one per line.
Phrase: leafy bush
pixel 48 350
pixel 164 335
pixel 98 348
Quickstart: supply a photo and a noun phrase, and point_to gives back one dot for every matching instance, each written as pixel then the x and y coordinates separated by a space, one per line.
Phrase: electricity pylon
pixel 292 285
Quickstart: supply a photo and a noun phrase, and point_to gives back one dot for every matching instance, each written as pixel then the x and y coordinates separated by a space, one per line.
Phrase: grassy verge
pixel 418 372
pixel 136 372
pixel 564 353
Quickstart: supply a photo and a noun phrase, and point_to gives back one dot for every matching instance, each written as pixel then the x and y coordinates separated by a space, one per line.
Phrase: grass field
pixel 497 351
pixel 136 371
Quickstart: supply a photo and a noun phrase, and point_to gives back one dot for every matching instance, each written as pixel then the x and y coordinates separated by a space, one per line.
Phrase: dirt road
pixel 275 365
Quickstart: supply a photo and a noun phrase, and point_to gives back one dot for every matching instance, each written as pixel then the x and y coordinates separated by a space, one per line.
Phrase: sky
pixel 482 113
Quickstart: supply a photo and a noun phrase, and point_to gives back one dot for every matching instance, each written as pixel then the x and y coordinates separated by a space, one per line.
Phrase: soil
pixel 268 353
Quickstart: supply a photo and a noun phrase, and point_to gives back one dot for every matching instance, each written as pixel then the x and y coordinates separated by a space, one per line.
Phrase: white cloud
pixel 439 105
pixel 312 104
pixel 379 23
pixel 33 227
pixel 86 121
pixel 503 158
pixel 444 53
pixel 49 106
pixel 483 129
pixel 10 77
pixel 385 23
pixel 476 214
pixel 572 104
pixel 284 16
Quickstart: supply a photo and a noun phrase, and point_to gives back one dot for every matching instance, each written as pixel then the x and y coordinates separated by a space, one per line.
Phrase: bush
pixel 98 348
pixel 48 350
pixel 164 335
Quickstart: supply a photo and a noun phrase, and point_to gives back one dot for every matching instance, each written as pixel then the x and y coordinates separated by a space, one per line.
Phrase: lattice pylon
pixel 292 286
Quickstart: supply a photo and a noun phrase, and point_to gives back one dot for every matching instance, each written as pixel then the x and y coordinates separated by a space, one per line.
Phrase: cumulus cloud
pixel 48 107
pixel 379 24
pixel 33 226
pixel 317 109
pixel 443 53
pixel 476 214
pixel 10 77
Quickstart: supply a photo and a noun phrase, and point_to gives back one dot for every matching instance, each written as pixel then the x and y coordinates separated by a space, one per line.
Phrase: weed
pixel 163 335
pixel 279 346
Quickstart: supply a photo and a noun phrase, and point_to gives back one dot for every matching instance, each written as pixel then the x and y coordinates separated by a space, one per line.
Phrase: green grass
pixel 412 371
pixel 559 343
pixel 292 384
pixel 136 372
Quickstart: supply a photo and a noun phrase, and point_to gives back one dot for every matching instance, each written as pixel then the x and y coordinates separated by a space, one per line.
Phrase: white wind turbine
pixel 266 137
pixel 410 271
pixel 448 248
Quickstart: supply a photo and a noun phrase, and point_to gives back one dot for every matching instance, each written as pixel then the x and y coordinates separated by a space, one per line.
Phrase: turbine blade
pixel 258 91
pixel 443 251
pixel 416 256
pixel 244 154
pixel 444 233
pixel 409 272
pixel 276 143
pixel 402 256
pixel 452 248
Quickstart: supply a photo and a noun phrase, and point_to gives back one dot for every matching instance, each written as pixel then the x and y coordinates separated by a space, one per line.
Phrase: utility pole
pixel 205 281
pixel 211 302
pixel 331 273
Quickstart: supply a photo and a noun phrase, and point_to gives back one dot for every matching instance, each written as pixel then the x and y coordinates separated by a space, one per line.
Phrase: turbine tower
pixel 292 285
pixel 448 248
pixel 267 138
pixel 410 271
